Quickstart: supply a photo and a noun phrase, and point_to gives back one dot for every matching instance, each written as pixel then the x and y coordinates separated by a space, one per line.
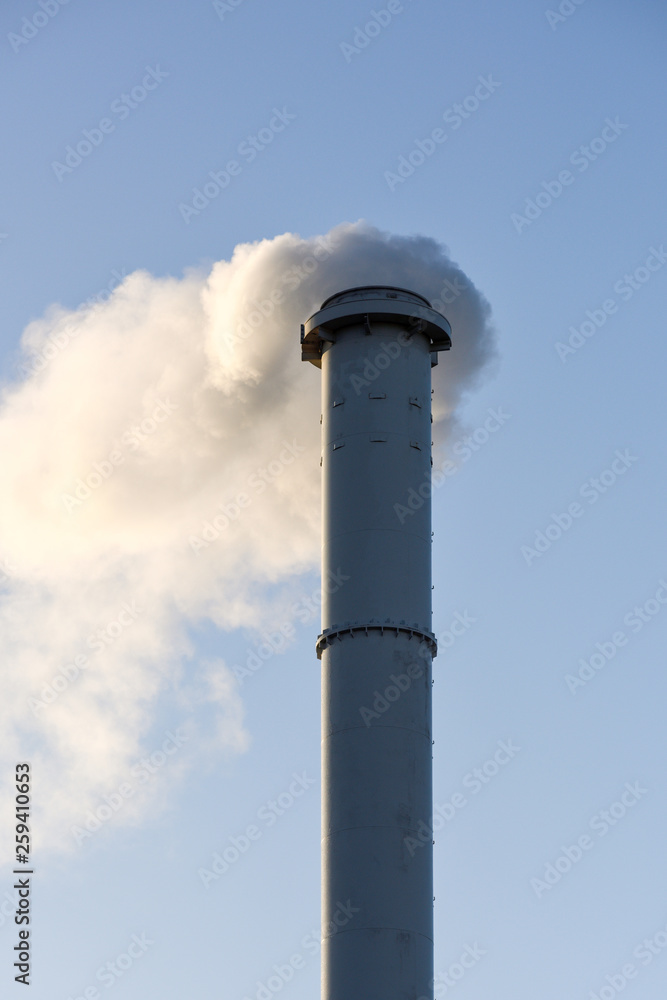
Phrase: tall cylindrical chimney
pixel 376 346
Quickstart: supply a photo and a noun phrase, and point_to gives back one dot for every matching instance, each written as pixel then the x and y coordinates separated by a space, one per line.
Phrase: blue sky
pixel 581 93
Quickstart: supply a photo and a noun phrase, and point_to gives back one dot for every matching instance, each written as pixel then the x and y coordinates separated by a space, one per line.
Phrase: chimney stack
pixel 375 346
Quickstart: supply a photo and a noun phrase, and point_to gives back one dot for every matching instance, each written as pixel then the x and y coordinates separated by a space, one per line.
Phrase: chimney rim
pixel 375 288
pixel 368 304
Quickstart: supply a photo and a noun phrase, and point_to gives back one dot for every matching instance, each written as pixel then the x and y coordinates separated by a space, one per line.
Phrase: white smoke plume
pixel 161 470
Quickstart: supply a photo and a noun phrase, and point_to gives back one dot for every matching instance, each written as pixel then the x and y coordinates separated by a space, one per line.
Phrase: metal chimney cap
pixel 373 303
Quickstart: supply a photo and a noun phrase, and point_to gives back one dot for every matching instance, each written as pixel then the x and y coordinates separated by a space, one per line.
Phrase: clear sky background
pixel 597 236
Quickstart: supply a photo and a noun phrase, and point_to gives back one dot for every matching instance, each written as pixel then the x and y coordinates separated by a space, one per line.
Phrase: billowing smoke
pixel 160 471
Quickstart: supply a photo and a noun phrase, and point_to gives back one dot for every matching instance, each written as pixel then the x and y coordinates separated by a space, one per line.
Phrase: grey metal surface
pixel 374 346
